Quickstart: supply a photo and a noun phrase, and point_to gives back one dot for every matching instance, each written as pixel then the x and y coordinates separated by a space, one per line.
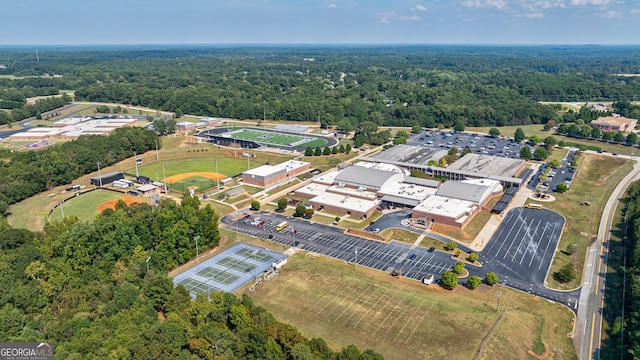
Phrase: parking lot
pixel 414 262
pixel 479 144
pixel 547 179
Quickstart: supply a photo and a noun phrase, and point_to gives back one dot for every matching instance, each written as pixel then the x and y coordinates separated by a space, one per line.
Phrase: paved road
pixel 588 329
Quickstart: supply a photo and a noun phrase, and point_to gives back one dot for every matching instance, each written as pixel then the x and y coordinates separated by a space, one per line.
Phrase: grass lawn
pixel 401 318
pixel 227 166
pixel 470 231
pixel 613 292
pixel 85 206
pixel 219 208
pixel 595 180
pixel 401 235
pixel 534 129
pixel 325 163
pixel 557 154
pixel 276 139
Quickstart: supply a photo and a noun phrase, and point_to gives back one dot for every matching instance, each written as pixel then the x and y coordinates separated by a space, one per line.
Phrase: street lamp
pixel 147 261
pixel 196 240
pixel 498 304
pixel 356 251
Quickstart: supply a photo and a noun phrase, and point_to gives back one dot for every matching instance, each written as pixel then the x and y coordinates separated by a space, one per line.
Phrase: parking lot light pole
pixel 196 240
pixel 147 261
pixel 356 251
pixel 498 304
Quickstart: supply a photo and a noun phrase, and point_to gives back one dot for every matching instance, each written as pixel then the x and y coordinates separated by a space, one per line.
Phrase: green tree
pixel 347 149
pixel 473 257
pixel 550 142
pixel 300 209
pixel 318 151
pixel 566 274
pixel 449 280
pixel 358 141
pixel 459 126
pixel 308 213
pixel 473 282
pixel 465 151
pixel 160 126
pixel 607 136
pixel 519 135
pixel 416 129
pixel 525 153
pixel 326 151
pixel 399 140
pixel 178 113
pixel 255 205
pixel 453 151
pixel 632 139
pixel 171 126
pixel 158 289
pixel 458 268
pixel 103 109
pixel 341 150
pixel 308 151
pixel 282 204
pixel 596 133
pixel 491 278
pixel 534 139
pixel 334 150
pixel 562 187
pixel 540 153
pixel 494 132
pixel 555 163
pixel 451 245
pixel 619 137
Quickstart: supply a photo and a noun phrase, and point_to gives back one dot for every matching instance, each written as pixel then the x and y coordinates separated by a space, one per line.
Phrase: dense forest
pixel 26 173
pixel 86 287
pixel 339 86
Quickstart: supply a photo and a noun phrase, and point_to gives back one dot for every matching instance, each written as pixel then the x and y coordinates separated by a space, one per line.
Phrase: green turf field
pixel 270 138
pixel 84 206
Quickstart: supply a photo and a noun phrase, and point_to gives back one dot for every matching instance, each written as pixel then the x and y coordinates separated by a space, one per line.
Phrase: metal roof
pixel 103 176
pixel 462 191
pixel 363 176
pixel 400 200
pixel 420 181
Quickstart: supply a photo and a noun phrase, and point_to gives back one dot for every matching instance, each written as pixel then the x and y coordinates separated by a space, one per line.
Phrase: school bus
pixel 533 206
pixel 281 226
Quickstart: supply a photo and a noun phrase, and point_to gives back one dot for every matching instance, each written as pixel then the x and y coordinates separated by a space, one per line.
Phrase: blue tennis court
pixel 228 271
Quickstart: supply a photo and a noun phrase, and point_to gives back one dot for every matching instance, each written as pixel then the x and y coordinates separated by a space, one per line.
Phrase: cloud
pixel 388 17
pixel 498 4
pixel 535 15
pixel 419 8
pixel 611 15
pixel 332 6
pixel 635 12
pixel 590 2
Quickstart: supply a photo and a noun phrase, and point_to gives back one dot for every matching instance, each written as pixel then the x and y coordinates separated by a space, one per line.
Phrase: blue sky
pixel 35 22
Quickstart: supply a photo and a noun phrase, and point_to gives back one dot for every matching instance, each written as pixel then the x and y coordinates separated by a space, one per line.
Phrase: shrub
pixel 473 282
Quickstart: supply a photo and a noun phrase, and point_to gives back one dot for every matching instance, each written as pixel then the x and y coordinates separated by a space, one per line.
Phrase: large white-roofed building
pixel 445 211
pixel 344 204
pixel 367 178
pixel 267 175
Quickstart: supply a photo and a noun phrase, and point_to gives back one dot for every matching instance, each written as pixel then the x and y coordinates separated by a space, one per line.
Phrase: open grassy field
pixel 401 318
pixel 594 182
pixel 534 129
pixel 470 231
pixel 85 206
pixel 227 166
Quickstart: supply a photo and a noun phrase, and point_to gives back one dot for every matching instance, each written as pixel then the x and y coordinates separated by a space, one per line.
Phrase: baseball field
pixel 88 205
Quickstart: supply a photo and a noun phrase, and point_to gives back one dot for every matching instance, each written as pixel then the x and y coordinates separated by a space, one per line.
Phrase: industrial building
pixel 74 127
pixel 268 175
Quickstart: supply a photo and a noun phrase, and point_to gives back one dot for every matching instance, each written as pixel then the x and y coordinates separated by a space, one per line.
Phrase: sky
pixel 78 22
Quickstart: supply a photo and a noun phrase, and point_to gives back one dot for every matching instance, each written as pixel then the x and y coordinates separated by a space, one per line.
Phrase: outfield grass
pixel 227 166
pixel 595 181
pixel 84 206
pixel 401 318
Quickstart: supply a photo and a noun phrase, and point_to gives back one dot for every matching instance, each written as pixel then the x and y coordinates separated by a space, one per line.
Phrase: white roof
pixel 410 191
pixel 147 187
pixel 345 202
pixel 326 178
pixel 185 123
pixel 353 192
pixel 444 206
pixel 266 170
pixel 312 189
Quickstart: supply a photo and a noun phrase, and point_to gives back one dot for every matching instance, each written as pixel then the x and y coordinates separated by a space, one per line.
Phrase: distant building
pixel 268 175
pixel 107 178
pixel 185 126
pixel 614 123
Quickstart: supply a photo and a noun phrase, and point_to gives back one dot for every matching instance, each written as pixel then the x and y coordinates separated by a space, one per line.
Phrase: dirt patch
pixel 111 204
pixel 209 175
pixel 542 356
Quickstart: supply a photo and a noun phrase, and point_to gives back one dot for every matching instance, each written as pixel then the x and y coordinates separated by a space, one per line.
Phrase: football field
pixel 270 138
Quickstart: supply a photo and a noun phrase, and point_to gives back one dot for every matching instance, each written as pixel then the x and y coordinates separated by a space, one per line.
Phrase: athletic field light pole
pixel 99 176
pixel 196 240
pixel 135 158
pixel 217 177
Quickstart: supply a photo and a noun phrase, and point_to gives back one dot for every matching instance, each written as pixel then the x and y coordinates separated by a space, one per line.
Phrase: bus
pixel 281 226
pixel 533 206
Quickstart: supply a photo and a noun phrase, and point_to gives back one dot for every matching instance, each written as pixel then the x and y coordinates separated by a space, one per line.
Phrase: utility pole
pixel 217 177
pixel 147 261
pixel 157 153
pixel 135 158
pixel 164 178
pixel 498 304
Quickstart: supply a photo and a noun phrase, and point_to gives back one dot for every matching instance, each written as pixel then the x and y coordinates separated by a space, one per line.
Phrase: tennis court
pixel 228 271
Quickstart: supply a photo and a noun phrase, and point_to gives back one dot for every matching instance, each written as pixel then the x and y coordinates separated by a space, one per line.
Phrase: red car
pixel 261 223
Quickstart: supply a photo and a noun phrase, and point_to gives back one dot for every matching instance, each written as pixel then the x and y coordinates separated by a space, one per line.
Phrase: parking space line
pixel 527 234
pixel 535 251
pixel 513 239
pixel 547 248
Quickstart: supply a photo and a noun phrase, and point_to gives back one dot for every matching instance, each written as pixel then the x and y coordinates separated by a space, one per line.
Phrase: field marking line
pixel 389 314
pixel 381 310
pixel 343 298
pixel 407 322
pixel 371 307
pixel 352 302
pixel 327 304
pixel 399 316
pixel 364 303
pixel 419 322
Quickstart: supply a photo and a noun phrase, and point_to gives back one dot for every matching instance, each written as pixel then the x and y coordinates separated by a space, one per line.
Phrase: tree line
pixel 26 173
pixel 86 287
